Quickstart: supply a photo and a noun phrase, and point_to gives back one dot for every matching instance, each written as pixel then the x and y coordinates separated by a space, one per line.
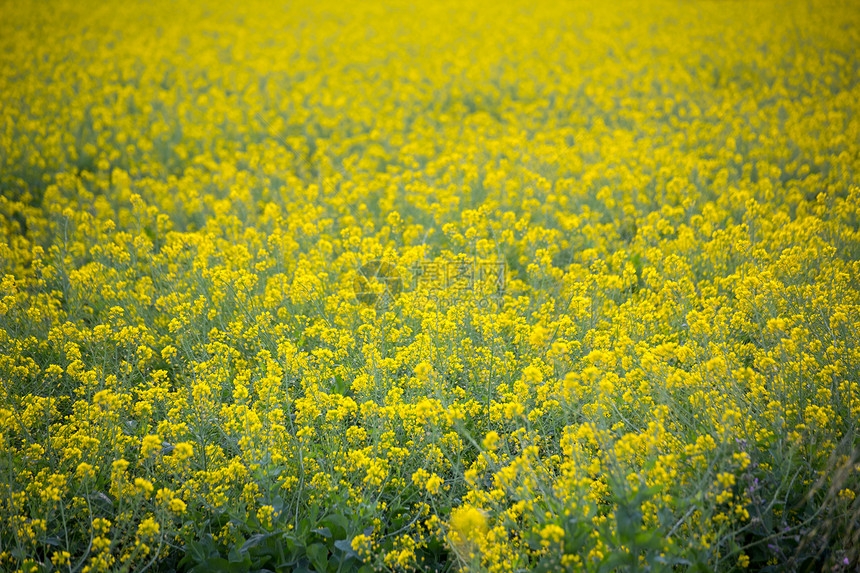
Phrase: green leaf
pixel 255 541
pixel 55 541
pixel 238 557
pixel 629 519
pixel 647 540
pixel 290 565
pixel 318 554
pixel 220 565
pixel 337 524
pixel 345 545
pixel 670 560
pixel 324 531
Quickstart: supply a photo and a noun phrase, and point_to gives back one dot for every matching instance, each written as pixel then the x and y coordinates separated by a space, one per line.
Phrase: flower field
pixel 460 286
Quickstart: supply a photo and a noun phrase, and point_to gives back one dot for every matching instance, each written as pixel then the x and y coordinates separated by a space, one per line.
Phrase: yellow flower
pixel 177 506
pixel 538 337
pixel 60 558
pixel 551 533
pixel 361 544
pixel 148 528
pixel 149 445
pixel 726 479
pixel 183 451
pixel 424 372
pixel 419 477
pixel 434 482
pixel 143 486
pixel 468 523
pixel 265 515
pixel 491 441
pixel 101 525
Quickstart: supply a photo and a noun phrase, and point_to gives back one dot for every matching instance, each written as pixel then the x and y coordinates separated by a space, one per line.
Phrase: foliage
pixel 440 287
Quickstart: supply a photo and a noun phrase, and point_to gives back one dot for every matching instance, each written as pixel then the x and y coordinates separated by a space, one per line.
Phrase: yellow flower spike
pixel 433 484
pixel 148 528
pixel 678 271
pixel 467 525
pixel 143 486
pixel 183 451
pixel 149 445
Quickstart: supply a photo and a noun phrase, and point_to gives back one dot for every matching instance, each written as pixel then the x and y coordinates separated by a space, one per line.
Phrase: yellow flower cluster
pixel 543 285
